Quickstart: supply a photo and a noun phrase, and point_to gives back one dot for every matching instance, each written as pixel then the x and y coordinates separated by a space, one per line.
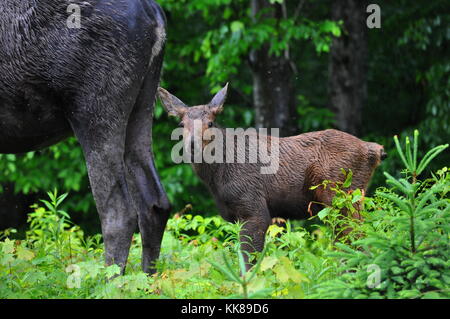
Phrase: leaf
pixel 286 271
pixel 8 246
pixel 296 276
pixel 227 272
pixel 415 141
pixel 242 265
pixel 400 203
pixel 331 26
pixel 268 262
pixel 112 271
pixel 430 156
pixel 274 230
pixel 411 293
pixel 137 282
pixel 345 248
pixel 296 292
pixel 357 195
pixel 281 273
pixel 61 199
pixel 33 277
pixel 324 212
pixel 400 151
pixel 236 26
pixel 94 269
pixel 348 179
pixel 396 270
pixel 24 253
pixel 401 184
pixel 432 295
pixel 256 284
pixel 6 259
pixel 41 260
pixel 409 155
pixel 49 206
pixel 63 213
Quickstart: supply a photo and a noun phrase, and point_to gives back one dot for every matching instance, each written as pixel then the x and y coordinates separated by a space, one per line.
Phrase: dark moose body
pixel 99 82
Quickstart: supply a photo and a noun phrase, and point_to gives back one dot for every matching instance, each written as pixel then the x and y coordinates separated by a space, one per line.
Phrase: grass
pixel 55 261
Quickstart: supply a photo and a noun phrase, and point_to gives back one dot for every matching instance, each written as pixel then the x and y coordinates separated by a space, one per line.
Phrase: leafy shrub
pixel 198 229
pixel 405 251
pixel 344 215
pixel 56 260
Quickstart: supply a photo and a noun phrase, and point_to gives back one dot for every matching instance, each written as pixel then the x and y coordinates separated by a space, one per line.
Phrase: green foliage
pixel 346 210
pixel 411 48
pixel 246 278
pixel 312 118
pixel 199 230
pixel 65 160
pixel 56 260
pixel 416 94
pixel 228 33
pixel 406 240
pixel 61 166
pixel 404 237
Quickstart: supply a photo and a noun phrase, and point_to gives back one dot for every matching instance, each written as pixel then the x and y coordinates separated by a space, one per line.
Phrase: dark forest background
pixel 298 65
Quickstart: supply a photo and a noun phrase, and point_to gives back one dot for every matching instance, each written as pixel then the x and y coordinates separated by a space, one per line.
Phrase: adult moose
pixel 98 81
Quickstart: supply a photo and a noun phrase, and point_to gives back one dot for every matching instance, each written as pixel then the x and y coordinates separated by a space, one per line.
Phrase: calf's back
pixel 305 160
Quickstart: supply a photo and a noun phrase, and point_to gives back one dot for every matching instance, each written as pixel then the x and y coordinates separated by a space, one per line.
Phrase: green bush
pixel 404 253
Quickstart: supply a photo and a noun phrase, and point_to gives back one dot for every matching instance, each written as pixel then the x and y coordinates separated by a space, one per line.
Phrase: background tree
pixel 274 97
pixel 348 65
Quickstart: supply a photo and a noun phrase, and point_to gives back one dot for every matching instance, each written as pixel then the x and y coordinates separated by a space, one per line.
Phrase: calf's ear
pixel 173 105
pixel 218 101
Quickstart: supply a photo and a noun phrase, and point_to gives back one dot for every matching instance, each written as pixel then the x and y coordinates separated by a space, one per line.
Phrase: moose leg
pixel 147 193
pixel 256 221
pixel 103 146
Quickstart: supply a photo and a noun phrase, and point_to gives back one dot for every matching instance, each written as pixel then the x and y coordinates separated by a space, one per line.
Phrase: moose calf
pixel 243 193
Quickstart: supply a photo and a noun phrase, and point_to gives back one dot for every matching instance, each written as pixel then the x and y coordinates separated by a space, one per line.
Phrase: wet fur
pixel 243 194
pixel 98 82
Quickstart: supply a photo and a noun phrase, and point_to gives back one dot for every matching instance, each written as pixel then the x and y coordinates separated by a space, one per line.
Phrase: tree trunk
pixel 348 69
pixel 273 92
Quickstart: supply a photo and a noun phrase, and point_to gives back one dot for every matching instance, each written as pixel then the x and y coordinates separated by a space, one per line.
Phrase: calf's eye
pixel 210 124
pixel 181 124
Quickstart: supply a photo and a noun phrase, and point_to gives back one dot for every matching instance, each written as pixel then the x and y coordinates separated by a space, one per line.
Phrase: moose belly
pixel 30 124
pixel 289 202
pixel 292 208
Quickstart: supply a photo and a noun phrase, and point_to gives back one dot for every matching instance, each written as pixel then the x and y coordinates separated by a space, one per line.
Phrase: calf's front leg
pixel 256 221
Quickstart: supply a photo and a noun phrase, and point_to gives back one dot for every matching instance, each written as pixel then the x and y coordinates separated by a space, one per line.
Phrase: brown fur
pixel 243 193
